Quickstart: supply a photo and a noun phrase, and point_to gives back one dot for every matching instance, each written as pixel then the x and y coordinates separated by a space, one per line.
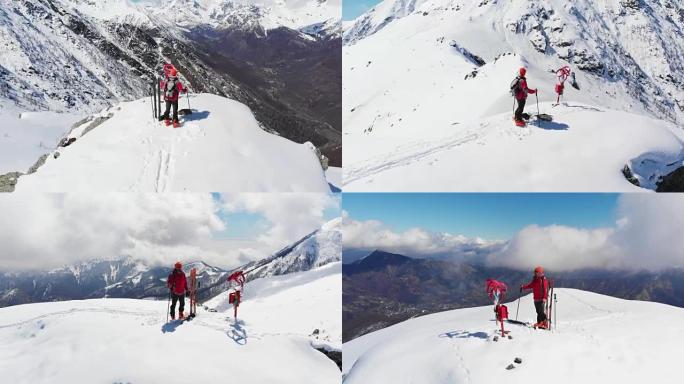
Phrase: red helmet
pixel 178 265
pixel 522 71
pixel 539 269
pixel 173 72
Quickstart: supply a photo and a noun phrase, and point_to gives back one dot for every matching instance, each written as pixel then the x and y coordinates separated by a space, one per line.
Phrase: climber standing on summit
pixel 519 90
pixel 178 284
pixel 172 88
pixel 540 294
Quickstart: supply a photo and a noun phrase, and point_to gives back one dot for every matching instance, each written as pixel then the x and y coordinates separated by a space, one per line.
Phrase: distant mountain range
pixel 131 278
pixel 385 288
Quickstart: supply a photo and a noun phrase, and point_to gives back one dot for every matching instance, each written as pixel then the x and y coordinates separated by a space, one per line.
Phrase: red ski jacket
pixel 177 282
pixel 173 93
pixel 539 287
pixel 523 90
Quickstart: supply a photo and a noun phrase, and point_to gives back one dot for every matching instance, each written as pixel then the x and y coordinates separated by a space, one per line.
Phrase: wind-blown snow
pixel 123 340
pixel 598 339
pixel 440 75
pixel 220 147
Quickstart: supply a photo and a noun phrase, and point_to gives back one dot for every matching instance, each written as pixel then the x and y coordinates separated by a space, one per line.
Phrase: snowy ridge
pixel 322 247
pixel 136 153
pixel 598 338
pixel 35 338
pixel 441 71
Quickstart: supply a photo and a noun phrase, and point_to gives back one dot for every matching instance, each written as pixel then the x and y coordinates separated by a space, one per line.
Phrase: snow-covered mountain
pixel 81 56
pixel 284 324
pixel 220 147
pixel 118 278
pixel 597 338
pixel 132 278
pixel 319 248
pixel 439 101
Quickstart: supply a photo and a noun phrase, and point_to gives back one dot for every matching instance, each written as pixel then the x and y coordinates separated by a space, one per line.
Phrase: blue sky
pixel 244 225
pixel 351 9
pixel 486 215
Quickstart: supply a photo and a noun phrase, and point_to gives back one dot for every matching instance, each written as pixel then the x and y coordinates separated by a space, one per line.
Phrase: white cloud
pixel 51 230
pixel 290 215
pixel 414 242
pixel 559 247
pixel 648 234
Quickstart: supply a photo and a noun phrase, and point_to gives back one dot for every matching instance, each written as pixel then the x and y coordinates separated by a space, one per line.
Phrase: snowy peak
pixel 137 153
pixel 244 14
pixel 458 346
pixel 321 247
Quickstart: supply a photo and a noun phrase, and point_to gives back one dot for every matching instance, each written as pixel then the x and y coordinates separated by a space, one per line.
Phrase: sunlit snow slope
pixel 220 147
pixel 127 341
pixel 426 102
pixel 598 339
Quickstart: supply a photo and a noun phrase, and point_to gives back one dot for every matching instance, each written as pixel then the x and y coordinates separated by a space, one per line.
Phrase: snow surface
pixel 334 177
pixel 599 339
pixel 434 118
pixel 124 340
pixel 220 147
pixel 269 14
pixel 25 136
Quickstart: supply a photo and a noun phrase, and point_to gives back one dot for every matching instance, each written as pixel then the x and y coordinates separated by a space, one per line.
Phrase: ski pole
pixel 168 306
pixel 187 97
pixel 517 309
pixel 536 94
pixel 555 311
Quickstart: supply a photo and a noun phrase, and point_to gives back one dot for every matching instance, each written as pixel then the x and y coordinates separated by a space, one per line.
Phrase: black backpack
pixel 515 86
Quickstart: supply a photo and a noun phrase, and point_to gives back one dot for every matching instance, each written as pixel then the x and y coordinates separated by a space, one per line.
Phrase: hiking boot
pixel 176 124
pixel 173 316
pixel 167 122
pixel 180 316
pixel 520 123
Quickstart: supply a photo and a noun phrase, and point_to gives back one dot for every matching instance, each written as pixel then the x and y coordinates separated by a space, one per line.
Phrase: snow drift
pixel 598 339
pixel 437 115
pixel 220 147
pixel 125 340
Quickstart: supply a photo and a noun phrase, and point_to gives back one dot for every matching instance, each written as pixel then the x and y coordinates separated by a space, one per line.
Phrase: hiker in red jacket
pixel 540 293
pixel 520 90
pixel 172 88
pixel 178 284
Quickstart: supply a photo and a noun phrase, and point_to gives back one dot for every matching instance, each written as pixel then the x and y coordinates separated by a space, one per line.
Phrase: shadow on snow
pixel 464 335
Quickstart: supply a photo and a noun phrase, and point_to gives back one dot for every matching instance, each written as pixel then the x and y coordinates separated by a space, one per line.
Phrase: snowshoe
pixel 520 123
pixel 167 122
pixel 181 316
pixel 176 124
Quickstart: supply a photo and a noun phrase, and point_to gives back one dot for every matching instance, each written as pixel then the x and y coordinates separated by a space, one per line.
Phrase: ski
pixel 193 293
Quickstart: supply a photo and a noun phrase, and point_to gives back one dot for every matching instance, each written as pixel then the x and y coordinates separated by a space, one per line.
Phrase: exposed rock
pixel 673 182
pixel 8 181
pixel 39 163
pixel 629 175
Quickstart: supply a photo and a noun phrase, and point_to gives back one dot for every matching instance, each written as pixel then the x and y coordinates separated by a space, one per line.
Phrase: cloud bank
pixel 414 242
pixel 648 234
pixel 51 230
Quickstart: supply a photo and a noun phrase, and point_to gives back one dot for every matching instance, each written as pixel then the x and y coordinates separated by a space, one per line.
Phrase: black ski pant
pixel 541 314
pixel 170 104
pixel 175 298
pixel 519 110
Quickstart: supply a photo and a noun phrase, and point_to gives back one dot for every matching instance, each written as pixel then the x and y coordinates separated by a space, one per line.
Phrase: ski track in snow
pixel 404 155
